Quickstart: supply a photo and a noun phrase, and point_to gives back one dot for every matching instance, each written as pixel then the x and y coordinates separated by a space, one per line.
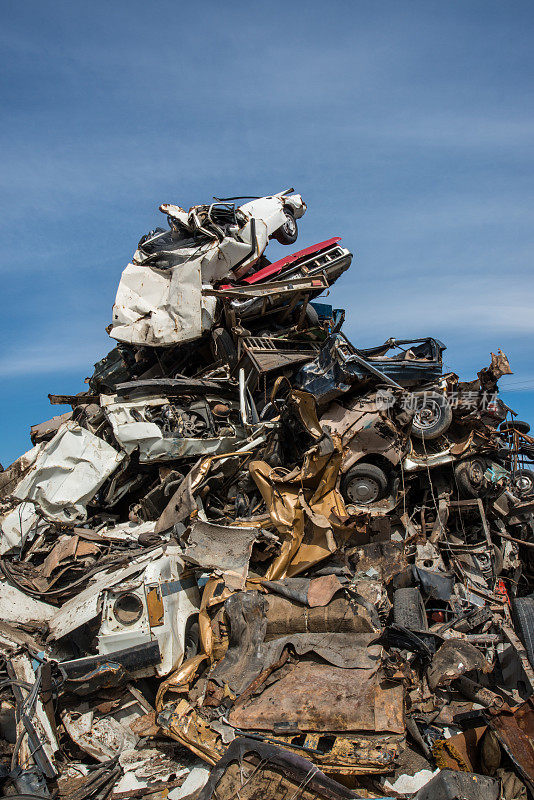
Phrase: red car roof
pixel 274 269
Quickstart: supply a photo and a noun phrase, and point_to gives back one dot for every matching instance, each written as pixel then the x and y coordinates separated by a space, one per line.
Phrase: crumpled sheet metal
pixel 244 659
pixel 215 592
pixel 12 476
pixel 180 720
pixel 343 650
pixel 19 526
pixel 364 428
pixel 347 755
pixel 156 307
pixel 515 731
pixel 381 560
pixel 305 507
pixel 133 432
pixel 350 754
pixel 179 681
pixel 101 739
pixel 312 592
pixel 498 367
pixel 339 367
pixel 183 504
pixel 68 548
pixel 469 750
pixel 454 783
pixel 85 606
pixel 223 548
pixel 150 770
pixel 249 652
pixel 341 700
pixel 19 608
pixel 67 472
pixel 45 430
pixel 151 600
pixel 306 407
pixel 453 659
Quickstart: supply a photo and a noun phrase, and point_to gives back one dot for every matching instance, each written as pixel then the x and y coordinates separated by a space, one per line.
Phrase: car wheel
pixel 223 347
pixel 470 478
pixel 515 425
pixel 433 415
pixel 523 616
pixel 409 610
pixel 288 232
pixel 364 484
pixel 191 638
pixel 523 482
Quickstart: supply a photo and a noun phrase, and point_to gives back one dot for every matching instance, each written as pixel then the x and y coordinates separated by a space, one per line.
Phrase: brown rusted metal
pixel 341 700
pixel 155 607
pixel 515 731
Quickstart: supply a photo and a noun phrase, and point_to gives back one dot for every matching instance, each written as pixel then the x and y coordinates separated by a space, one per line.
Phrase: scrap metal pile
pixel 255 560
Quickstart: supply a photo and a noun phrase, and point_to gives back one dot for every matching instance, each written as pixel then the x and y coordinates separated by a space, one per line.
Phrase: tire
pixel 223 347
pixel 311 315
pixel 523 482
pixel 409 609
pixel 433 415
pixel 515 425
pixel 470 479
pixel 523 616
pixel 288 232
pixel 191 638
pixel 364 484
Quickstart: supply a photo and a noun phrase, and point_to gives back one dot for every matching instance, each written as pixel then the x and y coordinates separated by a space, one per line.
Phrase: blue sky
pixel 407 126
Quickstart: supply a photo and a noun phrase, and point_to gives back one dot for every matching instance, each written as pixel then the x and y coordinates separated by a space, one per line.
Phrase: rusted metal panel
pixel 155 607
pixel 515 731
pixel 341 700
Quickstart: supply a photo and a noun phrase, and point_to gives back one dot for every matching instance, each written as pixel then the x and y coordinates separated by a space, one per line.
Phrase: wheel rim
pixel 476 473
pixel 427 416
pixel 363 490
pixel 524 484
pixel 290 225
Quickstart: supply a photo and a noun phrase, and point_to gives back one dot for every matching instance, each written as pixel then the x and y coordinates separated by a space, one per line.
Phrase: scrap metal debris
pixel 256 560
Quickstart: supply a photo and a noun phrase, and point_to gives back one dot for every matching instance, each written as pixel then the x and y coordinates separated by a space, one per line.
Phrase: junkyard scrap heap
pixel 254 560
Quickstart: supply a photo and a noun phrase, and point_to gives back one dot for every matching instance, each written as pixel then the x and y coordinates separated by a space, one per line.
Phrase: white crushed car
pixel 160 301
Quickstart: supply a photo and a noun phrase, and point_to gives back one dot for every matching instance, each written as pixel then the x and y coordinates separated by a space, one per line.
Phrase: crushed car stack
pixel 254 560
